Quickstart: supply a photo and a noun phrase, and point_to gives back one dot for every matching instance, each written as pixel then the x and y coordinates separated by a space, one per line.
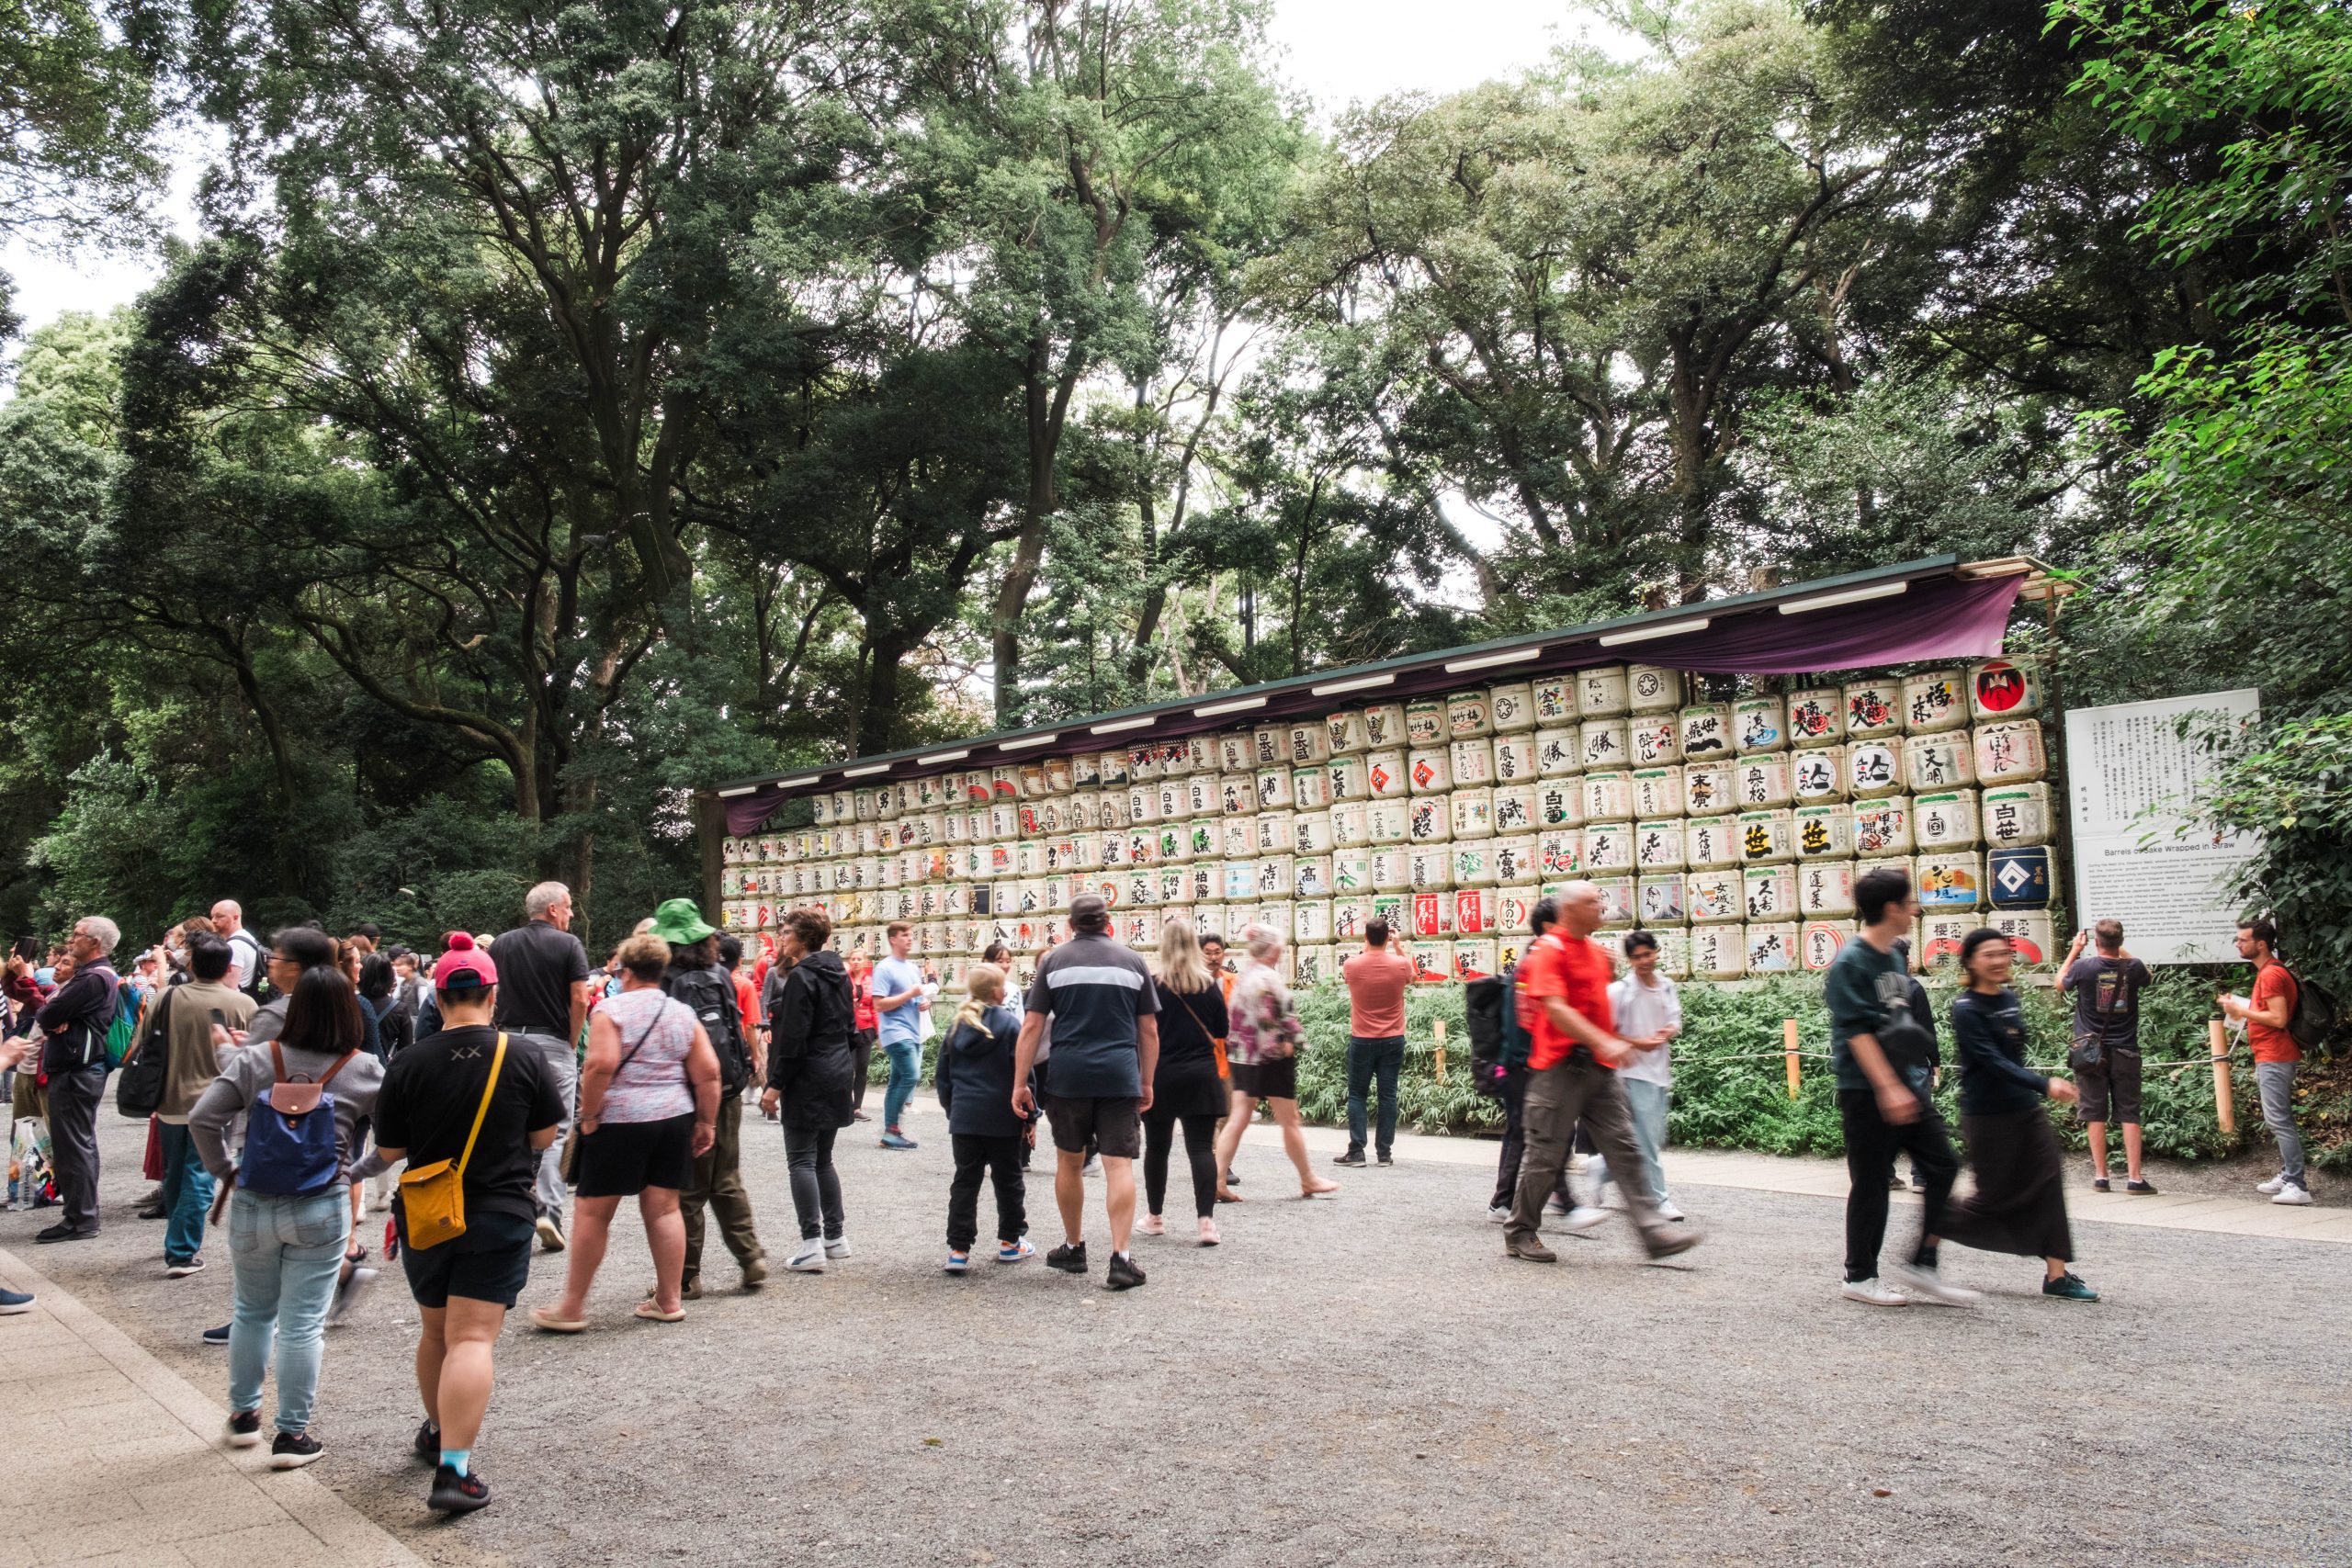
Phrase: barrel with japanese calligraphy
pixel 1825 888
pixel 1710 842
pixel 2009 754
pixel 2018 877
pixel 1385 725
pixel 1945 820
pixel 1766 837
pixel 1818 942
pixel 1771 947
pixel 2017 814
pixel 1714 897
pixel 1658 900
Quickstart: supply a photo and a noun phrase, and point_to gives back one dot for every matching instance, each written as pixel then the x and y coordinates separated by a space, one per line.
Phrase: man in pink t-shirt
pixel 1376 980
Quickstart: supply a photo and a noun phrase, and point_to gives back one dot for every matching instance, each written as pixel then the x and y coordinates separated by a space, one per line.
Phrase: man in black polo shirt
pixel 1100 998
pixel 543 998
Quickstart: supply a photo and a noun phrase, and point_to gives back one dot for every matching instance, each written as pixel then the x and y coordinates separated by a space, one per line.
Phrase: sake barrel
pixel 1386 775
pixel 1658 845
pixel 1516 861
pixel 1429 770
pixel 1718 953
pixel 1172 845
pixel 1709 844
pixel 2010 754
pixel 1425 723
pixel 1310 744
pixel 1349 917
pixel 1514 910
pixel 1311 876
pixel 1392 868
pixel 2017 814
pixel 1085 771
pixel 1143 927
pixel 1558 752
pixel 1053 816
pixel 1655 739
pixel 1343 732
pixel 1817 774
pixel 1766 837
pixel 1311 833
pixel 1237 794
pixel 2017 876
pixel 1945 820
pixel 1825 887
pixel 1608 796
pixel 1559 853
pixel 1348 830
pixel 1344 778
pixel 1429 866
pixel 1173 759
pixel 1234 755
pixel 1432 960
pixel 1706 731
pixel 1874 768
pixel 1468 714
pixel 1707 787
pixel 1818 941
pixel 1515 758
pixel 1474 813
pixel 1516 809
pixel 1824 832
pixel 1200 755
pixel 1143 803
pixel 1937 936
pixel 1275 833
pixel 1273 789
pixel 1114 810
pixel 1948 881
pixel 1944 761
pixel 1201 795
pixel 862 804
pixel 1816 716
pixel 1431 915
pixel 1350 872
pixel 1657 791
pixel 1474 911
pixel 1883 826
pixel 930 790
pixel 821 809
pixel 1933 701
pixel 2029 935
pixel 1608 847
pixel 1239 880
pixel 1004 823
pixel 955 900
pixel 1601 692
pixel 1029 894
pixel 1873 708
pixel 1761 780
pixel 1473 958
pixel 1616 904
pixel 1673 953
pixel 1387 821
pixel 931 829
pixel 1559 804
pixel 1471 761
pixel 1428 821
pixel 1772 947
pixel 1311 922
pixel 1085 814
pixel 1759 723
pixel 1511 707
pixel 1649 689
pixel 1658 900
pixel 1269 746
pixel 1769 892
pixel 1111 769
pixel 1054 892
pixel 1033 780
pixel 1237 837
pixel 1384 725
pixel 1604 744
pixel 1310 788
pixel 1473 863
pixel 1141 886
pixel 1555 701
pixel 2000 691
pixel 1143 846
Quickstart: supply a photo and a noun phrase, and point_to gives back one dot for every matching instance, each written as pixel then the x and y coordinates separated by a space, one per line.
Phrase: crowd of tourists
pixel 503 1097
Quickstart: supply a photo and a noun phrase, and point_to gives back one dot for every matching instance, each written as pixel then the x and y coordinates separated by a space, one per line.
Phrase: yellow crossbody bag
pixel 433 1197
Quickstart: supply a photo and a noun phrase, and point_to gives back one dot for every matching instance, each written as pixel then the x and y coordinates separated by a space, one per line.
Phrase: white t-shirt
pixel 245 958
pixel 1644 1009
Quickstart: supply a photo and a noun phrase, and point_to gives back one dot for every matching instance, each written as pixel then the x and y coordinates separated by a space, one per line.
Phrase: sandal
pixel 545 1318
pixel 649 1311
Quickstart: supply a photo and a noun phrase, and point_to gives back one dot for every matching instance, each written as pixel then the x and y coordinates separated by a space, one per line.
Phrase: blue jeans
pixel 287 1252
pixel 906 1072
pixel 1369 1056
pixel 187 1195
pixel 1648 1103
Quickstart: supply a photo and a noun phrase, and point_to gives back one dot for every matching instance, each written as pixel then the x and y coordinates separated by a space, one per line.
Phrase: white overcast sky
pixel 1339 50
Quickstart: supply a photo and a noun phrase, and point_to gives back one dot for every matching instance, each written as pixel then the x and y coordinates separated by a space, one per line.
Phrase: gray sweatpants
pixel 2277 1081
pixel 563 1071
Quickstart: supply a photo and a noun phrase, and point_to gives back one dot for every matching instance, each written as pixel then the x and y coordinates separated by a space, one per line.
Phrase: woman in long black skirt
pixel 2020 1204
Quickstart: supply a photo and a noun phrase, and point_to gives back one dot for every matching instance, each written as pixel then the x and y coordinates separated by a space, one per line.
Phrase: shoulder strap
pixel 277 1062
pixel 481 1112
pixel 339 1064
pixel 1195 1017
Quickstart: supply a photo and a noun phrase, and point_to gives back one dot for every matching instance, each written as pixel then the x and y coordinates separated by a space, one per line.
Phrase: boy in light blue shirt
pixel 897 1008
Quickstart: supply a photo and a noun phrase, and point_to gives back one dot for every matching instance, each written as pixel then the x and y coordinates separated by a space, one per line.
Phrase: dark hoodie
pixel 810 1019
pixel 976 1076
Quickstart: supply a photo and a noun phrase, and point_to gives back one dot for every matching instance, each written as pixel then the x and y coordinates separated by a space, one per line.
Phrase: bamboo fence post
pixel 2224 1105
pixel 1788 1047
pixel 1441 1050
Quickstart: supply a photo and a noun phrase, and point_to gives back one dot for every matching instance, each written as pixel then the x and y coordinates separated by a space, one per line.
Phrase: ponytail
pixel 983 988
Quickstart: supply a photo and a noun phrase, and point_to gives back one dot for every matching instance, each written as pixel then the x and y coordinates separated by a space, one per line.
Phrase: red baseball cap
pixel 464 967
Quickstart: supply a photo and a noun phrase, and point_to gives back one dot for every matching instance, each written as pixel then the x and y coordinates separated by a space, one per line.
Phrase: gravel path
pixel 1366 1381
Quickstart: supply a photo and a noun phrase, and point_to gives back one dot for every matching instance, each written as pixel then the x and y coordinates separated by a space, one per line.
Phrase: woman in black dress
pixel 2020 1204
pixel 1185 1088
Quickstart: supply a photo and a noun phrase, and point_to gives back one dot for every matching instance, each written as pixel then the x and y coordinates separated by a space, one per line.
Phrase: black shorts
pixel 621 1159
pixel 2114 1085
pixel 1115 1125
pixel 491 1262
pixel 1276 1077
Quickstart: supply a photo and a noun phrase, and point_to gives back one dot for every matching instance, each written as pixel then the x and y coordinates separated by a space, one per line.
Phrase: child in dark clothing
pixel 987 1133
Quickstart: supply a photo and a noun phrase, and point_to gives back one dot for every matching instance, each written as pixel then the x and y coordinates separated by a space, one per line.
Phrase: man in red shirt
pixel 1572 1073
pixel 1376 979
pixel 2276 1055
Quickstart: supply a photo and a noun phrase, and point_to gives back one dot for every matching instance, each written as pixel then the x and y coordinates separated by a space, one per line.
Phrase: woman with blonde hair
pixel 1261 1049
pixel 987 1133
pixel 1185 1087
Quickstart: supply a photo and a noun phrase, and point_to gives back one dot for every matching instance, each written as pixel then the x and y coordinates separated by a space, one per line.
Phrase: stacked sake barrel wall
pixel 1733 829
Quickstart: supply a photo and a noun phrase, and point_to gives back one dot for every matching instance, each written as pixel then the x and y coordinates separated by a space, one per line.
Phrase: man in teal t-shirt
pixel 897 1006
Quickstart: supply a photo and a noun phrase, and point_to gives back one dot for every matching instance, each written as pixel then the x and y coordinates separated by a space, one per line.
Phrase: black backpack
pixel 2311 1025
pixel 710 993
pixel 139 1093
pixel 1483 1004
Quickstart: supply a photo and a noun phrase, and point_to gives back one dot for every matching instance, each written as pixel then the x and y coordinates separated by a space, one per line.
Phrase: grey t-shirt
pixel 1095 990
pixel 2107 999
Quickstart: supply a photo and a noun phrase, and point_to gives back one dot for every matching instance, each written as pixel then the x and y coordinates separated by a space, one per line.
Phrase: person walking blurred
pixel 1262 1039
pixel 1186 1090
pixel 1646 1007
pixel 197 1020
pixel 543 997
pixel 810 1028
pixel 898 1000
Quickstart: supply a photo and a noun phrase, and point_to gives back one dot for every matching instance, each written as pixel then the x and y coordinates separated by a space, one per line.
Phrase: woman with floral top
pixel 1262 1054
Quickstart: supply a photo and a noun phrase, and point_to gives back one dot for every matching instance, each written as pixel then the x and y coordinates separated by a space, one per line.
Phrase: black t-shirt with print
pixel 427 1104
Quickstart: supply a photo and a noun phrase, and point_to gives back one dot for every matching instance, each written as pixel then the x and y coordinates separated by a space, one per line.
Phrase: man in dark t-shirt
pixel 1103 1012
pixel 543 998
pixel 2107 987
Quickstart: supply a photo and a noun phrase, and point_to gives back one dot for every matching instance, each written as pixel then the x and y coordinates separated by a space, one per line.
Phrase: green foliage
pixel 78 94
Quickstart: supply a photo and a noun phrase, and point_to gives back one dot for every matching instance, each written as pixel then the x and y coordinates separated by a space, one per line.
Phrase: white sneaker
pixel 1498 1214
pixel 1930 1284
pixel 1666 1210
pixel 2294 1196
pixel 808 1257
pixel 2271 1186
pixel 1583 1220
pixel 838 1247
pixel 1873 1292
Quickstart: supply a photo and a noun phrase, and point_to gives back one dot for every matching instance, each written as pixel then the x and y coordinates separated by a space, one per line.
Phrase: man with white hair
pixel 74 1025
pixel 245 956
pixel 543 997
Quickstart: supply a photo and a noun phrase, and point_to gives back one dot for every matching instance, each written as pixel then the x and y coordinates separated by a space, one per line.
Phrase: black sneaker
pixel 1353 1157
pixel 2098 1184
pixel 294 1450
pixel 455 1494
pixel 1067 1258
pixel 217 1336
pixel 152 1211
pixel 1123 1275
pixel 1386 1157
pixel 64 1232
pixel 2140 1189
pixel 243 1428
pixel 428 1443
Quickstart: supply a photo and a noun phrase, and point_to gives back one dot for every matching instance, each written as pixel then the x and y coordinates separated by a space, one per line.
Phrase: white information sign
pixel 2139 856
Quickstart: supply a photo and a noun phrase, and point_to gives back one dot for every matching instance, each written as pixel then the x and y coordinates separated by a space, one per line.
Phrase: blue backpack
pixel 290 1135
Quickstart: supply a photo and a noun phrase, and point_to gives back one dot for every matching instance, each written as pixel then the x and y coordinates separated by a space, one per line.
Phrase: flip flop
pixel 653 1314
pixel 545 1318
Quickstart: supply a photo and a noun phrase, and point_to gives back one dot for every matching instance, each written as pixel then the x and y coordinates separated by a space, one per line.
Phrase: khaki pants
pixel 1557 1098
pixel 717 1180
